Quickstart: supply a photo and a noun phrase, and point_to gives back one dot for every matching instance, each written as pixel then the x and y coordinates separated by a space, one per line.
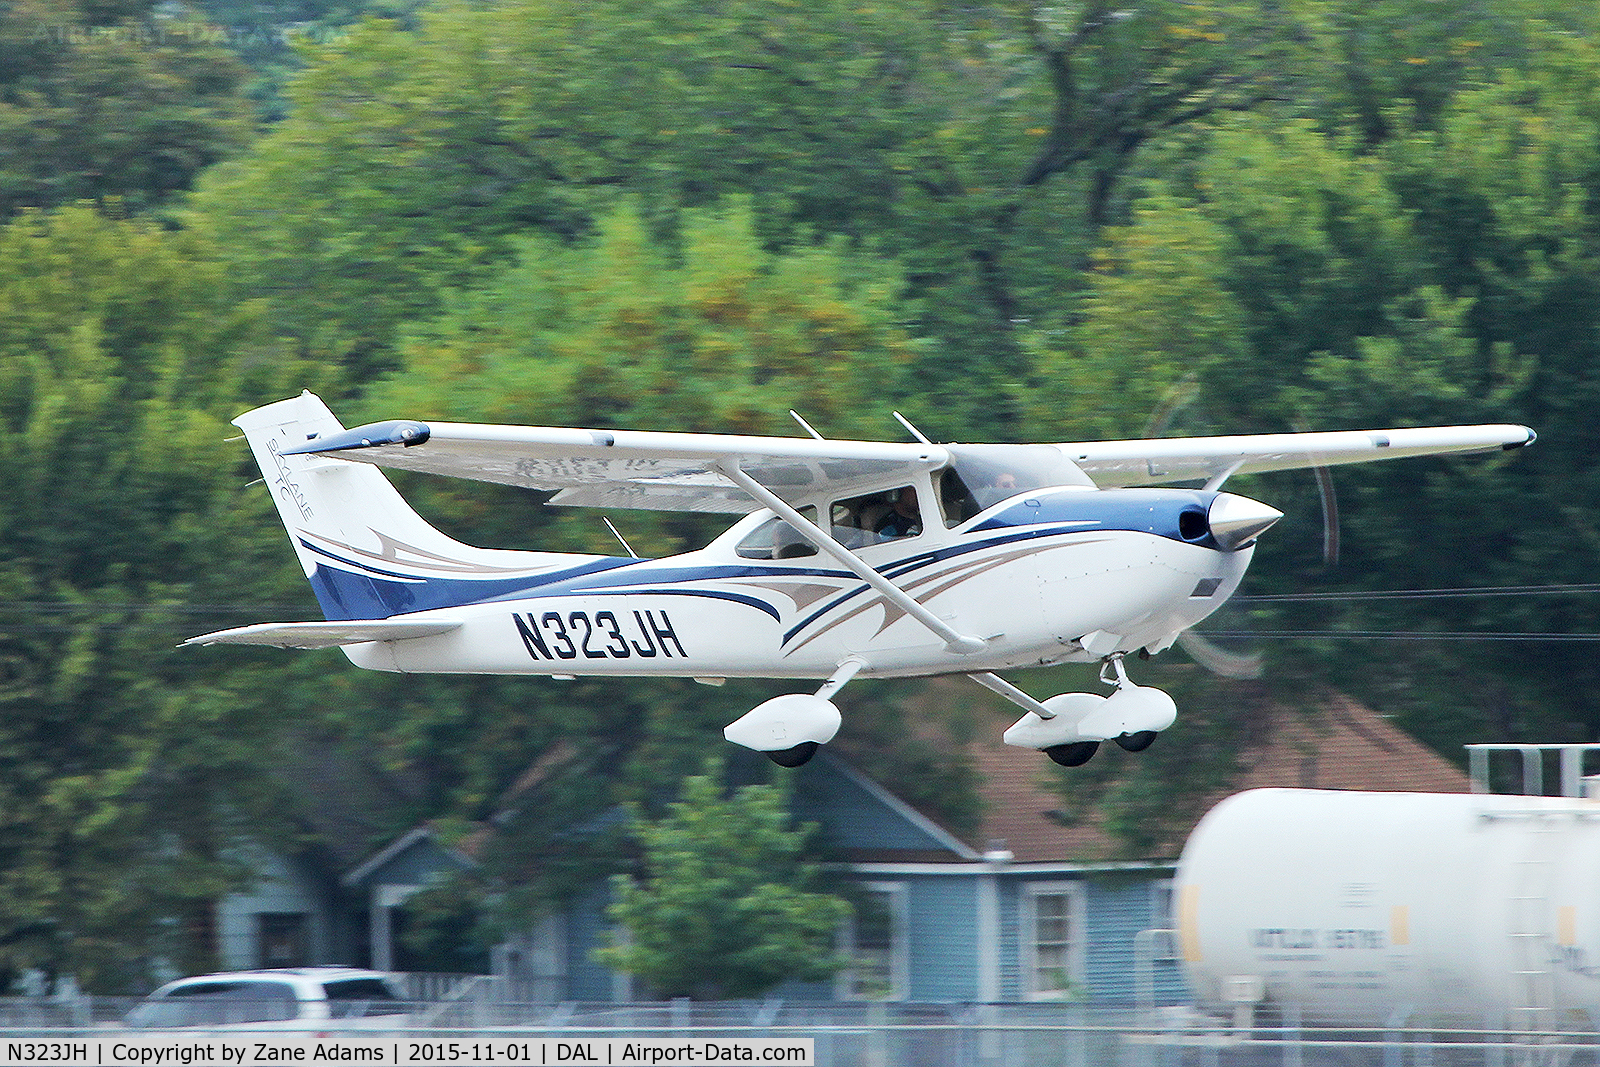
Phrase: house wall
pixel 947 935
pixel 418 865
pixel 588 928
pixel 1116 909
pixel 943 938
pixel 855 814
pixel 284 886
pixel 957 946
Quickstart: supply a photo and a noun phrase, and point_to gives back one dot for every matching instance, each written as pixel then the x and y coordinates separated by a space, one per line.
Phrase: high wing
pixel 683 471
pixel 630 469
pixel 1161 460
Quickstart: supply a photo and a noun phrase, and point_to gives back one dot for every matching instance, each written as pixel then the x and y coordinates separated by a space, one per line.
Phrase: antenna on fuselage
pixel 618 535
pixel 804 425
pixel 910 428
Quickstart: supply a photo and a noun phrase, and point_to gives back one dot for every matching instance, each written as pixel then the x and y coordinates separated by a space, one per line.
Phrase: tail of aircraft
pixel 367 554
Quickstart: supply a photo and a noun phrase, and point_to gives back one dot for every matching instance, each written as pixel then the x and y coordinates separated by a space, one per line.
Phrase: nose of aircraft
pixel 1236 521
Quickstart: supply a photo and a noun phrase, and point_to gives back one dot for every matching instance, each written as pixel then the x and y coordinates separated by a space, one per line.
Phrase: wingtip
pixel 402 432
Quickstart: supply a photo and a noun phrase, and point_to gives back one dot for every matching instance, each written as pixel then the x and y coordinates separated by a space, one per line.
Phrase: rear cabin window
pixel 776 539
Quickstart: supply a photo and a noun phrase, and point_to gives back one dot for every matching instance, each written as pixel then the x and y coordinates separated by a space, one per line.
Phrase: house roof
pixel 423 837
pixel 1339 744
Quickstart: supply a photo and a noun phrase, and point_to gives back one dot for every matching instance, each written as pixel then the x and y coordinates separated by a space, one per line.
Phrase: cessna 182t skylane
pixel 852 558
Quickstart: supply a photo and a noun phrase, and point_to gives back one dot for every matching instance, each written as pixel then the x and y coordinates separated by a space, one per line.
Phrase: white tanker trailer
pixel 1373 909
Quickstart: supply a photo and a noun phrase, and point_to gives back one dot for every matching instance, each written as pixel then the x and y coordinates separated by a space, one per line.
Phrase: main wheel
pixel 1137 742
pixel 1075 754
pixel 794 757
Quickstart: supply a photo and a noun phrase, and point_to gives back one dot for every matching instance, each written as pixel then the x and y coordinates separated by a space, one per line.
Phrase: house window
pixel 1161 916
pixel 1053 922
pixel 283 939
pixel 874 940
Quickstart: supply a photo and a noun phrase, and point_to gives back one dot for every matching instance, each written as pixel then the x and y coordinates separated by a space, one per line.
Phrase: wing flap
pixel 1163 460
pixel 327 634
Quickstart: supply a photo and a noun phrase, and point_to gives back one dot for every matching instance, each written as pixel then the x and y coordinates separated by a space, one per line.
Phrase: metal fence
pixel 914 1035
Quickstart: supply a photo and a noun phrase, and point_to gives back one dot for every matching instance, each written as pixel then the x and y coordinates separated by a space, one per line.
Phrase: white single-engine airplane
pixel 852 558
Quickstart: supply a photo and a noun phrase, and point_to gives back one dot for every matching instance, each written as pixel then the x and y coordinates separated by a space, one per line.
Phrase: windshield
pixel 980 476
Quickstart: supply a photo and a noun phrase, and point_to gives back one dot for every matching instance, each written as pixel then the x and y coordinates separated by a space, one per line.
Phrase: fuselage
pixel 1050 575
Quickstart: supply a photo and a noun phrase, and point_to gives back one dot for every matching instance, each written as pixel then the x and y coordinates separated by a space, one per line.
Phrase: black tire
pixel 794 757
pixel 1074 755
pixel 1137 742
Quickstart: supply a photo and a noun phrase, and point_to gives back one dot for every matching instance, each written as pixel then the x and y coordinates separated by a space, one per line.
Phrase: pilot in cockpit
pixel 904 519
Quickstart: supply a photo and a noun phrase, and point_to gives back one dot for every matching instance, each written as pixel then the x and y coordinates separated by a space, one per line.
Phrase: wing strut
pixel 955 641
pixel 999 685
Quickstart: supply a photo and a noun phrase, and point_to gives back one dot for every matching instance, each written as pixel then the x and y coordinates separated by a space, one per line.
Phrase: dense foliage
pixel 1010 220
pixel 727 906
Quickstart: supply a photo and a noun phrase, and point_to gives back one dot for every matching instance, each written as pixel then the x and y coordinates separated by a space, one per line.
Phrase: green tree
pixel 130 770
pixel 708 333
pixel 981 146
pixel 727 906
pixel 127 100
pixel 1436 278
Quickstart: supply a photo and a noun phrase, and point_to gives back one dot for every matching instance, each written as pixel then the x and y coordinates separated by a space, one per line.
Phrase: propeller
pixel 1213 657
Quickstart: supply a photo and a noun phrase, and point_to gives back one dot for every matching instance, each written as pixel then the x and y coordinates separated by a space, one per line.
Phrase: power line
pixel 1400 635
pixel 57 607
pixel 1420 594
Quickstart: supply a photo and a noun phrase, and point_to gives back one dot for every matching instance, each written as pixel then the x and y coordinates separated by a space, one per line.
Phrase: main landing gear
pixel 1070 727
pixel 789 729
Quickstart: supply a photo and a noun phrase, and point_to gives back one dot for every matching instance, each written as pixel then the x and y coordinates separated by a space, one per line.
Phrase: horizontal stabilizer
pixel 327 634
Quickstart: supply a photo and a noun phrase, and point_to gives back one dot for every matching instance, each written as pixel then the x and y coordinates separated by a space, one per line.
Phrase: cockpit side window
pixel 776 539
pixel 877 517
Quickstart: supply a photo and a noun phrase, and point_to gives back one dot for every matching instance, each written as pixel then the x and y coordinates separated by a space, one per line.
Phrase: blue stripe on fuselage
pixel 900 568
pixel 374 594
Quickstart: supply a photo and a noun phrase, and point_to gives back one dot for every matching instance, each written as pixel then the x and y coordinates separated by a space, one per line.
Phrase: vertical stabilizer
pixel 367 554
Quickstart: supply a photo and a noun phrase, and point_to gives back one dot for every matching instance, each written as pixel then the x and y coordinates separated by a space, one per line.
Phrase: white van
pixel 296 998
